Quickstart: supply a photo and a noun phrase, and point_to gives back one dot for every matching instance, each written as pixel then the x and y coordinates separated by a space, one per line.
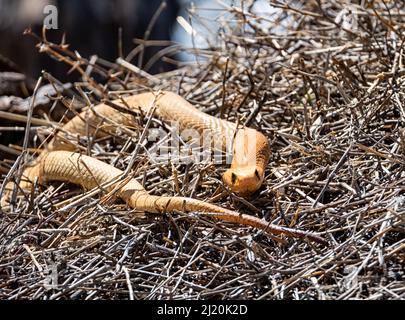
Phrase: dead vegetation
pixel 324 80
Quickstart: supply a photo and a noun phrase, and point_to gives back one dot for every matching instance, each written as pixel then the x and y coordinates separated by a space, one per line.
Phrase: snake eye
pixel 257 174
pixel 234 177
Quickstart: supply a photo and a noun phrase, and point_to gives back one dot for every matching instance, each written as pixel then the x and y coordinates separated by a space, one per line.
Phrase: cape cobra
pixel 250 150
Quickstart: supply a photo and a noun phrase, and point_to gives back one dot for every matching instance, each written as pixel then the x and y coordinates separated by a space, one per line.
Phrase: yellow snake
pixel 250 150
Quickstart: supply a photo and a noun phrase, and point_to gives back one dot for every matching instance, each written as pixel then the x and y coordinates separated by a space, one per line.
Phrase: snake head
pixel 245 180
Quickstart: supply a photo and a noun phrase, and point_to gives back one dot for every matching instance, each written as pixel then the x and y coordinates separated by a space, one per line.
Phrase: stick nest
pixel 323 80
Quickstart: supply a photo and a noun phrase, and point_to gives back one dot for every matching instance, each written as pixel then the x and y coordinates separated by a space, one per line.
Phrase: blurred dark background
pixel 91 27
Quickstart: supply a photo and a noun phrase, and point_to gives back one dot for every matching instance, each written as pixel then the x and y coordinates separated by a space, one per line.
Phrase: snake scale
pixel 250 155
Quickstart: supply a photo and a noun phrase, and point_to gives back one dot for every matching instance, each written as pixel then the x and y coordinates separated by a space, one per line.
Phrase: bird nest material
pixel 323 80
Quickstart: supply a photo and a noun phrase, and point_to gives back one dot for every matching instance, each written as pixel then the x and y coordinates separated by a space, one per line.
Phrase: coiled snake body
pixel 250 151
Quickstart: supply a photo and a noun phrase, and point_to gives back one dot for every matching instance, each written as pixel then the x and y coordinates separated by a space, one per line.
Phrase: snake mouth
pixel 244 181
